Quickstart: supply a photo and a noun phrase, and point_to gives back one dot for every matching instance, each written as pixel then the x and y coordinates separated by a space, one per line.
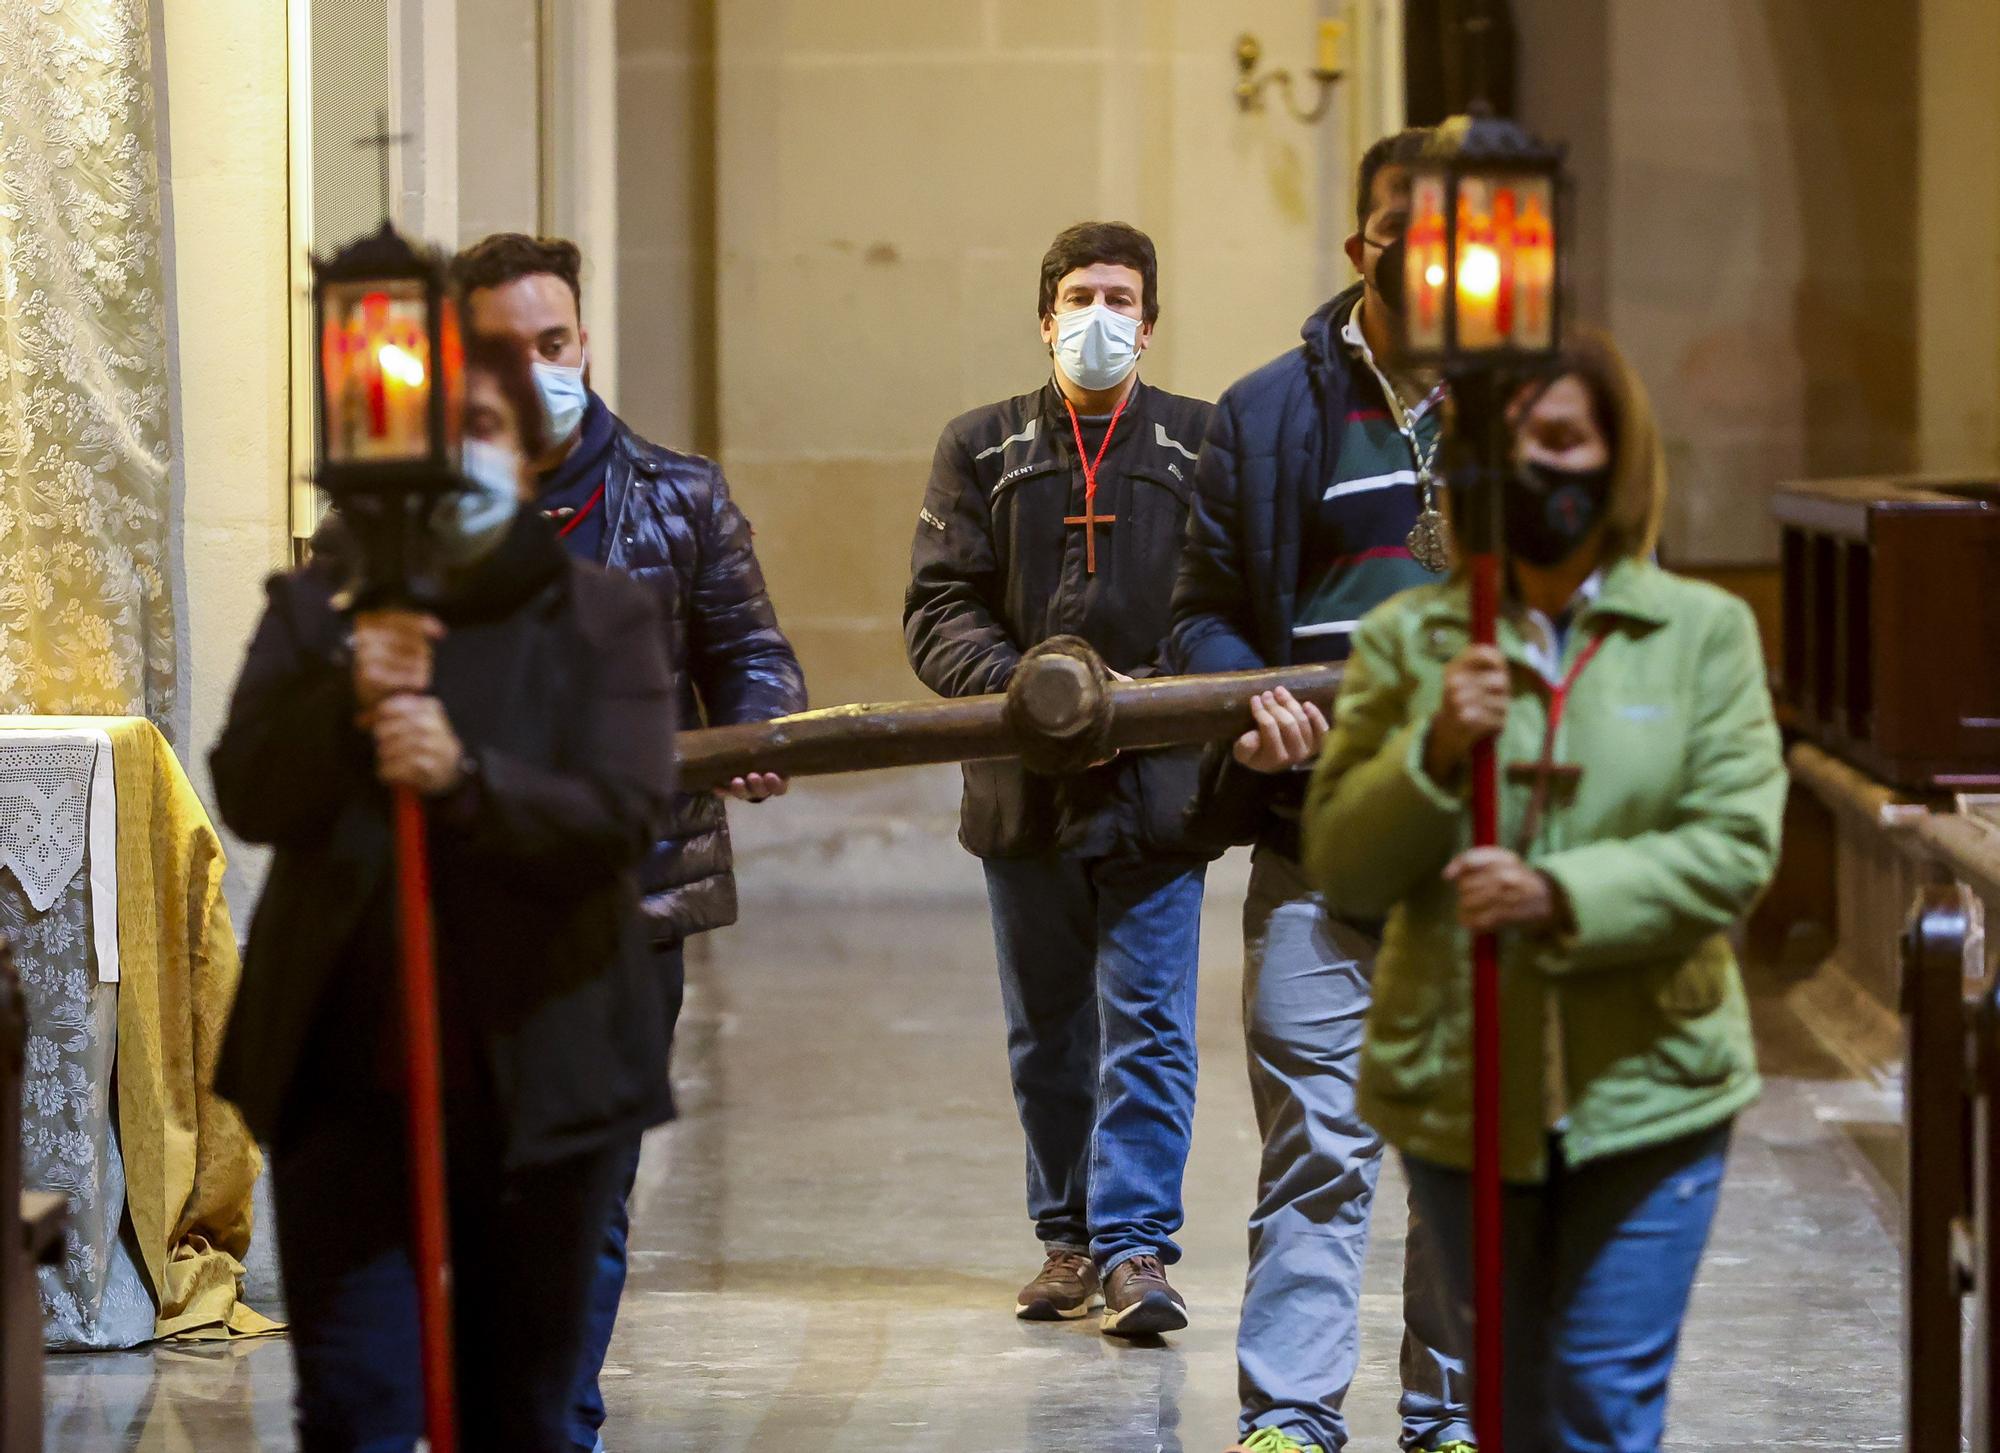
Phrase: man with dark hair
pixel 668 520
pixel 1316 500
pixel 1056 514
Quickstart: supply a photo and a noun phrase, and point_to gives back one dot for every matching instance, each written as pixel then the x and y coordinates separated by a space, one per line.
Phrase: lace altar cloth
pixel 59 903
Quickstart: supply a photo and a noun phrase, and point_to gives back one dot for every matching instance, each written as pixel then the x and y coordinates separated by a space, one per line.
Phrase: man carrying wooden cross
pixel 1060 513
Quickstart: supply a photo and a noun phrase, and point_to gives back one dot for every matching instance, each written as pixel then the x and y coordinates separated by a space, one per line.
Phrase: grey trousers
pixel 1305 1000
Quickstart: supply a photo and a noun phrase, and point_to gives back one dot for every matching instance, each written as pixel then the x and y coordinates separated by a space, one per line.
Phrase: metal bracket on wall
pixel 1250 86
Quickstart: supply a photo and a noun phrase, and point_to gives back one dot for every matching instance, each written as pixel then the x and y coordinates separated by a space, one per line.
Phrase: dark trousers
pixel 607 1282
pixel 522 1247
pixel 1601 1260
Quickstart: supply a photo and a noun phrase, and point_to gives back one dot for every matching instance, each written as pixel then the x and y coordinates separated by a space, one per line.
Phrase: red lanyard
pixel 1559 695
pixel 1090 466
pixel 581 515
pixel 1546 770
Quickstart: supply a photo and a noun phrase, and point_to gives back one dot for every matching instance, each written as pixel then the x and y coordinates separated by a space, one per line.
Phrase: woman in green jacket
pixel 1642 789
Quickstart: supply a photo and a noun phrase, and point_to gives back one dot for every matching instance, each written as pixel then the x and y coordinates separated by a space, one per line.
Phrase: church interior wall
pixel 887 177
pixel 828 218
pixel 1958 250
pixel 223 182
pixel 1749 227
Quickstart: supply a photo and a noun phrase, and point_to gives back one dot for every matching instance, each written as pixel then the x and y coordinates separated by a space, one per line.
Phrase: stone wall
pixel 887 177
pixel 1748 182
pixel 223 181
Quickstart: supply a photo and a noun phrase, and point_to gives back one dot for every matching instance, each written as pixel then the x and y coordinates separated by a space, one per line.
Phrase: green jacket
pixel 1633 1029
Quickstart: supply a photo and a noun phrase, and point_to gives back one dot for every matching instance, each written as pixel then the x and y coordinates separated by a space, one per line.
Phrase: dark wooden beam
pixel 1052 698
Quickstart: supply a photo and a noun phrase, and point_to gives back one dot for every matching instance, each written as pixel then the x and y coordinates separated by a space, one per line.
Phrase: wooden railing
pixel 1951 1243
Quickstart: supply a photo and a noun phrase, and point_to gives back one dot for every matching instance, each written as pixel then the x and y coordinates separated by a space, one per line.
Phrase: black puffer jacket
pixel 671 524
pixel 997 569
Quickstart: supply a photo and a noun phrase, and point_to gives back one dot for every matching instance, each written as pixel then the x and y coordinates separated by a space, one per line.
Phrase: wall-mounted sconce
pixel 1250 86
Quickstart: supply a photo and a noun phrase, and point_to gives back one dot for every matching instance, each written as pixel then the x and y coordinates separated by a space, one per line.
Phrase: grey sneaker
pixel 1140 1302
pixel 1062 1290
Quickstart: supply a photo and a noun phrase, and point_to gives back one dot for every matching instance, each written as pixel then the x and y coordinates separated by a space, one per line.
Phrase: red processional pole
pixel 1474 397
pixel 391 389
pixel 1481 283
pixel 430 1240
pixel 1488 1258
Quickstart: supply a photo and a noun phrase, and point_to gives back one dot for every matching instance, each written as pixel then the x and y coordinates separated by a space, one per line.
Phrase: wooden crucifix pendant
pixel 1090 519
pixel 1548 776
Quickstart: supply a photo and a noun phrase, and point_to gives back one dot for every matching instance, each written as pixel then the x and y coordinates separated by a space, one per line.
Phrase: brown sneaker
pixel 1139 1301
pixel 1062 1290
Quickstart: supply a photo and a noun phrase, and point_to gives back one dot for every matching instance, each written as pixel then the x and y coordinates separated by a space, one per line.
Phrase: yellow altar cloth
pixel 190 1163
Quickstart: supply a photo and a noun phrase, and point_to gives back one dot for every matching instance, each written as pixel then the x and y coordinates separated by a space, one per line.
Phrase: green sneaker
pixel 1274 1440
pixel 1458 1447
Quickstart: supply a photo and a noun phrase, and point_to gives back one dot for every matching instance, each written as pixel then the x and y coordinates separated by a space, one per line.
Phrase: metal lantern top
pixel 390 368
pixel 1483 251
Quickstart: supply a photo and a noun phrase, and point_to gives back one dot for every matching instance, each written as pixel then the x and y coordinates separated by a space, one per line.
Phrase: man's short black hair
pixel 1088 243
pixel 1402 149
pixel 493 262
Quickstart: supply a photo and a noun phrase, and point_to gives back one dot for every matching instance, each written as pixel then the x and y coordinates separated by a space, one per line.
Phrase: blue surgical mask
pixel 467 525
pixel 1096 347
pixel 564 397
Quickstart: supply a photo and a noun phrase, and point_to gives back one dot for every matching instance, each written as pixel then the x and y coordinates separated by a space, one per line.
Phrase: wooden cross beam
pixel 1053 698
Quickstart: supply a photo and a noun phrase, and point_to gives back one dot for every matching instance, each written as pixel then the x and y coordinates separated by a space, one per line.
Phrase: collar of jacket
pixel 1632 591
pixel 1055 423
pixel 528 559
pixel 1321 332
pixel 630 459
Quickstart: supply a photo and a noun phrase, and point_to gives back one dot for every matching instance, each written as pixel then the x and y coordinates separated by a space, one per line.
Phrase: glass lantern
pixel 391 372
pixel 1482 266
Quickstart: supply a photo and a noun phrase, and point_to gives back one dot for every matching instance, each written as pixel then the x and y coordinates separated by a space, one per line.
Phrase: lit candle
pixel 1331 33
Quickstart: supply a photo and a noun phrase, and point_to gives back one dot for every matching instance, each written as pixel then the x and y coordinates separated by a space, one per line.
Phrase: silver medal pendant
pixel 1429 539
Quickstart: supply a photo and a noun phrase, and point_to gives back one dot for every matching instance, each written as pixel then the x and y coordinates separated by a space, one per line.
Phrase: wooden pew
pixel 33 1236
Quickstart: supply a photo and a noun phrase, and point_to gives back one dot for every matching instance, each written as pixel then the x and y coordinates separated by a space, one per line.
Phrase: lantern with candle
pixel 390 395
pixel 1482 275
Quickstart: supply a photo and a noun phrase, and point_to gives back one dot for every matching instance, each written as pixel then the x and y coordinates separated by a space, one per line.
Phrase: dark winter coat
pixel 671 524
pixel 1270 449
pixel 555 679
pixel 995 571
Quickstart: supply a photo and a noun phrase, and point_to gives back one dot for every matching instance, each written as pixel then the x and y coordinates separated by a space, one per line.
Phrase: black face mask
pixel 1550 511
pixel 1388 278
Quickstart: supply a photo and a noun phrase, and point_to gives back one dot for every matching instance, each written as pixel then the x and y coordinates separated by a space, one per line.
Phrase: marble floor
pixel 827 1246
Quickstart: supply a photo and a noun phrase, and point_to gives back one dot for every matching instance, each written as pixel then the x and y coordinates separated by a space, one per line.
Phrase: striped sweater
pixel 1356 554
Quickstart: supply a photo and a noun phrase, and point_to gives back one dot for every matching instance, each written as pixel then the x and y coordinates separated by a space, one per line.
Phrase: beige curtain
pixel 86 614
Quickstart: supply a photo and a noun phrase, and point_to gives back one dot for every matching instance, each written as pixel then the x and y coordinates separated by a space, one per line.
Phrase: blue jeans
pixel 1306 986
pixel 1600 1264
pixel 1097 975
pixel 608 1280
pixel 521 1245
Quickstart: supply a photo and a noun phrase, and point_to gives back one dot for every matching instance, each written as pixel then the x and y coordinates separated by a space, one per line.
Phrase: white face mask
pixel 564 397
pixel 468 524
pixel 1095 347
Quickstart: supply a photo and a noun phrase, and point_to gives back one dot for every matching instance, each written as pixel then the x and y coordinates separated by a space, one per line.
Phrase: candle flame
pixel 1479 272
pixel 400 364
pixel 1434 274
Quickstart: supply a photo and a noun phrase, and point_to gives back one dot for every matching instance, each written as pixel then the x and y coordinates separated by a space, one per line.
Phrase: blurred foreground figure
pixel 1060 513
pixel 668 520
pixel 535 712
pixel 1642 794
pixel 1317 499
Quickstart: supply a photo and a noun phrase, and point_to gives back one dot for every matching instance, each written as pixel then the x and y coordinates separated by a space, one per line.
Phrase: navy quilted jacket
pixel 1271 446
pixel 671 524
